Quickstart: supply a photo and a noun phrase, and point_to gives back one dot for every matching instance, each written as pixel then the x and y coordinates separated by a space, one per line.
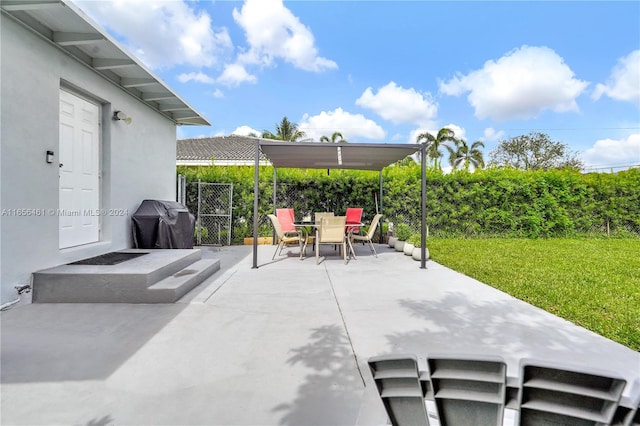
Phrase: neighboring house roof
pixel 67 28
pixel 218 151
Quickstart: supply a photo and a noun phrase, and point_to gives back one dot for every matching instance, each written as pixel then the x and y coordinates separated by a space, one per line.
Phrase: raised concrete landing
pixel 159 276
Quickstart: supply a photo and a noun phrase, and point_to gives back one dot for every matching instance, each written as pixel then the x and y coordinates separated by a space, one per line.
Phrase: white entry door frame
pixel 79 171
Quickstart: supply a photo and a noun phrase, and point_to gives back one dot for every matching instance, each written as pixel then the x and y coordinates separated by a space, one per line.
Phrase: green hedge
pixel 491 202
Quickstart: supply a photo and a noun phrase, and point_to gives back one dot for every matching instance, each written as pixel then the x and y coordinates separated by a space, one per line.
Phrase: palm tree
pixel 466 155
pixel 285 131
pixel 334 138
pixel 407 161
pixel 435 143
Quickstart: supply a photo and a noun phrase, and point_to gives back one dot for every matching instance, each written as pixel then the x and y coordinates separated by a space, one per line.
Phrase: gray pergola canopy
pixel 315 155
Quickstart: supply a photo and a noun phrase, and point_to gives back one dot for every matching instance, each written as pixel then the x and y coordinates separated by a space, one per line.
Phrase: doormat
pixel 112 258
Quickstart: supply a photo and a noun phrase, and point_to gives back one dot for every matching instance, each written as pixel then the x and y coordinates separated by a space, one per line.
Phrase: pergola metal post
pixel 380 202
pixel 256 178
pixel 275 189
pixel 423 207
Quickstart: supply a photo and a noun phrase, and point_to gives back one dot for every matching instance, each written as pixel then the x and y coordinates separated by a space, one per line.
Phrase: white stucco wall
pixel 137 160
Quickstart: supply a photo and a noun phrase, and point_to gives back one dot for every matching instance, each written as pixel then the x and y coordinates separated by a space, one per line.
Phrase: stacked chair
pixel 476 391
pixel 399 384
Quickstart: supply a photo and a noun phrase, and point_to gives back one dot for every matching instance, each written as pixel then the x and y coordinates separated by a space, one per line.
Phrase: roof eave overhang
pixel 48 19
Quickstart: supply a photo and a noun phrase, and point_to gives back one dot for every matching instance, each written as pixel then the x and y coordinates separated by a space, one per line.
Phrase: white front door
pixel 79 171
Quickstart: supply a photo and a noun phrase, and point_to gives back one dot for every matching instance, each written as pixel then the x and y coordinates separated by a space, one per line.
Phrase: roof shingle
pixel 222 149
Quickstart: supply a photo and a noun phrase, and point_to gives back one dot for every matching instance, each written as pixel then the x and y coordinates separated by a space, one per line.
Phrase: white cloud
pixel 352 126
pixel 400 105
pixel 624 81
pixel 218 94
pixel 162 33
pixel 235 74
pixel 195 76
pixel 520 85
pixel 272 32
pixel 610 153
pixel 245 131
pixel 491 134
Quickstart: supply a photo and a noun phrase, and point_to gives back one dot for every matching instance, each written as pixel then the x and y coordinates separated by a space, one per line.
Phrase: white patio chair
pixel 331 231
pixel 368 237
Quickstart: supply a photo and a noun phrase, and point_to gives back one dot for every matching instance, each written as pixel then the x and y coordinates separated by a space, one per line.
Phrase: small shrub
pixel 416 240
pixel 204 231
pixel 403 232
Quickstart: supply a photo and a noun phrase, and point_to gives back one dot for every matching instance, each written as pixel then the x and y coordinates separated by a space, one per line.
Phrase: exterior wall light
pixel 49 157
pixel 119 115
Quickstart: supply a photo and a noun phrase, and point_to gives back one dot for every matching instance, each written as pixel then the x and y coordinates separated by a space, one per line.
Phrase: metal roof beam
pixel 181 115
pixel 107 64
pixel 197 121
pixel 157 96
pixel 72 39
pixel 137 82
pixel 173 107
pixel 13 5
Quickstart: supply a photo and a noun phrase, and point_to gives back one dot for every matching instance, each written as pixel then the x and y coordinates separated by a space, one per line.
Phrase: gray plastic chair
pixel 468 390
pixel 553 394
pixel 628 412
pixel 398 381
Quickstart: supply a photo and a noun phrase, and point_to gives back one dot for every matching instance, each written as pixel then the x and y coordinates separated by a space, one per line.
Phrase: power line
pixel 616 166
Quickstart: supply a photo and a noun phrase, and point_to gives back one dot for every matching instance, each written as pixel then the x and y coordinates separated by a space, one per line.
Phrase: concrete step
pixel 177 285
pixel 126 282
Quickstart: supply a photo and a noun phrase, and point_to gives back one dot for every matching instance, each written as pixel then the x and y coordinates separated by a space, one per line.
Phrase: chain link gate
pixel 214 211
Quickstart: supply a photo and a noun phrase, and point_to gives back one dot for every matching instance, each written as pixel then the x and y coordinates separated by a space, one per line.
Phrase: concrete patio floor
pixel 284 344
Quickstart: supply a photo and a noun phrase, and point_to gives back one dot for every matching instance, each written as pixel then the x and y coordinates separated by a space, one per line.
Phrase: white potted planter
pixel 402 233
pixel 408 249
pixel 417 253
pixel 392 241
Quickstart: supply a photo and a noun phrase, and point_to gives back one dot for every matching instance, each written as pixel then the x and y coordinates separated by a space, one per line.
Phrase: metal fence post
pixel 199 224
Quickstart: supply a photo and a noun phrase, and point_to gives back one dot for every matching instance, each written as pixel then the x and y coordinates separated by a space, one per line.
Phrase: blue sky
pixel 385 71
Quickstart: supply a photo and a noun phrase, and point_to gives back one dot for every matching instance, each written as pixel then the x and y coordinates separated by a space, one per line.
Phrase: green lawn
pixel 594 283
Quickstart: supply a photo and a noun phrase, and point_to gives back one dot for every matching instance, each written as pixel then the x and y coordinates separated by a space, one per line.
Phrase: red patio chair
pixel 286 218
pixel 354 215
pixel 285 238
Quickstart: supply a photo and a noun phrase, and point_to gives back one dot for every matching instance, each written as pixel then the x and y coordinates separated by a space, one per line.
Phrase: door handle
pixel 60 165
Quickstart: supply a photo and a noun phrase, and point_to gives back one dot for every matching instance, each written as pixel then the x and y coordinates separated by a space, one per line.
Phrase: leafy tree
pixel 285 131
pixel 334 138
pixel 435 143
pixel 535 151
pixel 465 155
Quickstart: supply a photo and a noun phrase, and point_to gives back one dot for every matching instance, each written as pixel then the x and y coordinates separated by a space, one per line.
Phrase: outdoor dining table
pixel 349 227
